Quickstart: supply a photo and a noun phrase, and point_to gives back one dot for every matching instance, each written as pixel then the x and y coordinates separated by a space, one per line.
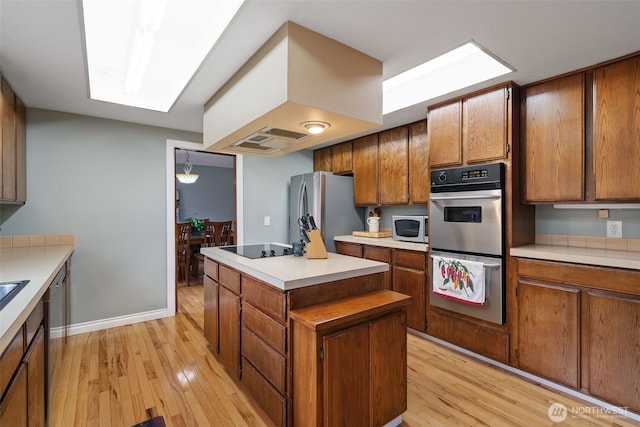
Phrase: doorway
pixel 192 200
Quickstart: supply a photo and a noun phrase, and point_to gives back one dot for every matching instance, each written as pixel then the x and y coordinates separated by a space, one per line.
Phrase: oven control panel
pixel 489 175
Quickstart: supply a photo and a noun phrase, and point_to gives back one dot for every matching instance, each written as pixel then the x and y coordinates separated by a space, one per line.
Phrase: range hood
pixel 297 76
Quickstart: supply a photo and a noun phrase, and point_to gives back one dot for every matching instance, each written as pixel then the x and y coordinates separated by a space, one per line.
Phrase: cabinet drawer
pixel 410 259
pixel 376 254
pixel 33 322
pixel 229 278
pixel 265 297
pixel 272 402
pixel 351 249
pixel 11 358
pixel 274 333
pixel 270 363
pixel 211 268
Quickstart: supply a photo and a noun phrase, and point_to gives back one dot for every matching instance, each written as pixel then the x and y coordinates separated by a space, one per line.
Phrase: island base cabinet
pixel 211 312
pixel 614 350
pixel 229 330
pixel 349 361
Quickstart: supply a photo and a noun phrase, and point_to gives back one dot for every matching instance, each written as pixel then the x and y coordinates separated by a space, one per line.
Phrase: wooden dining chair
pixel 183 250
pixel 208 240
pixel 222 233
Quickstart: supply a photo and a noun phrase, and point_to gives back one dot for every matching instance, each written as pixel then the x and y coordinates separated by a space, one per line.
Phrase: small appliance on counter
pixel 410 228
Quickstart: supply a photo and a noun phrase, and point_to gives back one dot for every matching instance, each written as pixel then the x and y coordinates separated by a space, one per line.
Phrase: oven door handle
pixel 444 198
pixel 483 264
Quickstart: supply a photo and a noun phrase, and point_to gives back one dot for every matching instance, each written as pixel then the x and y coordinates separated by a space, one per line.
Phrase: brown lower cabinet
pixel 23 374
pixel 407 275
pixel 579 326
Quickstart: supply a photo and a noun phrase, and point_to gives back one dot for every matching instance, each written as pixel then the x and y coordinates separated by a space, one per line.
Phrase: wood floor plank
pixel 125 375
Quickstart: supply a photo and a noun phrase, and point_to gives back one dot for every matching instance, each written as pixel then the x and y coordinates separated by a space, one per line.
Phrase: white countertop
pixel 386 242
pixel 37 264
pixel 599 257
pixel 290 272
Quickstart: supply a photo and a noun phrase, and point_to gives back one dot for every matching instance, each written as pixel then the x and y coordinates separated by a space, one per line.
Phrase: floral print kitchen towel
pixel 458 279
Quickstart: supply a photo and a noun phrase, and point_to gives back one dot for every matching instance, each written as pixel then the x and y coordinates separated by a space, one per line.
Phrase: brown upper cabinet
pixel 444 124
pixel 13 170
pixel 616 130
pixel 581 135
pixel 365 171
pixel 418 162
pixel 393 163
pixel 470 130
pixel 336 158
pixel 553 129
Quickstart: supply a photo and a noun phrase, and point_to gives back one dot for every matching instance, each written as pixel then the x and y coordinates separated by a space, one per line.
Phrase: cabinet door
pixel 553 131
pixel 393 158
pixel 346 367
pixel 13 408
pixel 377 253
pixel 418 163
pixel 365 170
pixel 412 282
pixel 548 336
pixel 341 158
pixel 444 135
pixel 21 151
pixel 485 126
pixel 8 145
pixel 388 367
pixel 36 374
pixel 211 312
pixel 613 337
pixel 616 135
pixel 322 160
pixel 229 329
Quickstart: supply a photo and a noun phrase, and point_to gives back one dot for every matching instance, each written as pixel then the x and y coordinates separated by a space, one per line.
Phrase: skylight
pixel 454 70
pixel 142 53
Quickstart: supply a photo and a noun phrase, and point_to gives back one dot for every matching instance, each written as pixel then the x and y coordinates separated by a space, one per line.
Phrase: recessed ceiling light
pixel 143 53
pixel 459 68
pixel 315 128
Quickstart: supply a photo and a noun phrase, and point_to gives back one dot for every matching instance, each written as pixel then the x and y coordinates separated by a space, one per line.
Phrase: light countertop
pixel 37 264
pixel 289 272
pixel 589 256
pixel 386 242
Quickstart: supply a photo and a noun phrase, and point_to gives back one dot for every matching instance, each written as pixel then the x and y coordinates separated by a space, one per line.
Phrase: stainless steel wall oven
pixel 466 227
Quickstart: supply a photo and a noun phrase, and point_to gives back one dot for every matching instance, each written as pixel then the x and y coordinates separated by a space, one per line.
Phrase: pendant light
pixel 187 177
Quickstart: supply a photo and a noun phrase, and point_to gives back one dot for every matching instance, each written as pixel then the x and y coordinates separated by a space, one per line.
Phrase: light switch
pixel 267 220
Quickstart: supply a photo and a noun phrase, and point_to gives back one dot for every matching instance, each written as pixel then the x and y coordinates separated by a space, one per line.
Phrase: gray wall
pixel 211 196
pixel 585 222
pixel 266 193
pixel 104 181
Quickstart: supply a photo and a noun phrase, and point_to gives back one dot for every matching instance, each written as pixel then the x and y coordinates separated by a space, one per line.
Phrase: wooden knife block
pixel 315 247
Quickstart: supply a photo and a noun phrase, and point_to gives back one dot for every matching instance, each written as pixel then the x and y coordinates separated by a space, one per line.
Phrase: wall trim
pixel 98 325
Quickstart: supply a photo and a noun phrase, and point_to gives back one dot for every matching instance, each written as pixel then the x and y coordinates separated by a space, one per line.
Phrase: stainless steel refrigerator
pixel 329 198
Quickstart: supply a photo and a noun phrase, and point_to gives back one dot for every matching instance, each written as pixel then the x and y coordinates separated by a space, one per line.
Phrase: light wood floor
pixel 125 375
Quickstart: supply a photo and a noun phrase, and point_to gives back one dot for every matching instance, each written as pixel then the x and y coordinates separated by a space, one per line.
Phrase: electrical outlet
pixel 614 228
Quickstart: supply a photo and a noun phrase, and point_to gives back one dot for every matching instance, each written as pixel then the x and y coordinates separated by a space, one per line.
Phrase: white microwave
pixel 410 228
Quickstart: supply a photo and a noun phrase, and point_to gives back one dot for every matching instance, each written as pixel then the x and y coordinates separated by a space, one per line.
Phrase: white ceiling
pixel 41 44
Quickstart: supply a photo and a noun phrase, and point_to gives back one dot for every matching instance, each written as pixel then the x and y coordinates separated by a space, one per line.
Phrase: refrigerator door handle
pixel 302 199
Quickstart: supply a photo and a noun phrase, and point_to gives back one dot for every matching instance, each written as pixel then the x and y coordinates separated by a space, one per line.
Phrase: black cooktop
pixel 262 250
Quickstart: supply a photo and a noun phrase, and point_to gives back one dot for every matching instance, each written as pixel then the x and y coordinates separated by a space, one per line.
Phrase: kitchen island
pixel 252 305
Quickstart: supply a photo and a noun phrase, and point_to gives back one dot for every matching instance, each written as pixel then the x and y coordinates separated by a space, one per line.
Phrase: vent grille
pixel 283 133
pixel 253 146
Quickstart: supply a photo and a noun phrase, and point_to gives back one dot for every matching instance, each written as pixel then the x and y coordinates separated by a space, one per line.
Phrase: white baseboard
pixel 97 325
